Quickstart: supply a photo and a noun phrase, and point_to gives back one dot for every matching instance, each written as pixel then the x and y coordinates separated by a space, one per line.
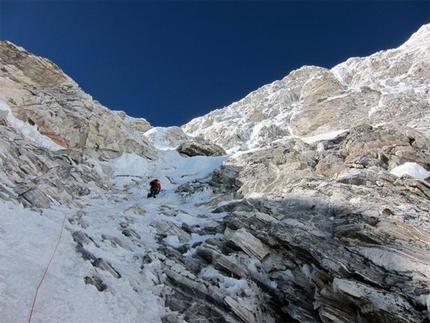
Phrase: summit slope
pixel 387 87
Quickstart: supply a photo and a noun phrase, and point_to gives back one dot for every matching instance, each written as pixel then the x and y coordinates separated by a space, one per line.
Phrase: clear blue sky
pixel 171 61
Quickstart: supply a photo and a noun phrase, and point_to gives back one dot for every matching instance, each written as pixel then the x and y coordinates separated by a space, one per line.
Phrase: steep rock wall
pixel 39 93
pixel 387 87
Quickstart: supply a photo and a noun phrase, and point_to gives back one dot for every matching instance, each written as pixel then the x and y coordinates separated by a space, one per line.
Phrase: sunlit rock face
pixel 389 87
pixel 310 225
pixel 39 93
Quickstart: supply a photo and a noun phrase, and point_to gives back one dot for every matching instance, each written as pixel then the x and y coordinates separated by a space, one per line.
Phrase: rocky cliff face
pixel 314 229
pixel 387 87
pixel 39 93
pixel 341 238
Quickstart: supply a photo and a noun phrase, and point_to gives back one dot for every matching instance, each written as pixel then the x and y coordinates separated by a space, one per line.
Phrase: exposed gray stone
pixel 248 243
pixel 195 148
pixel 223 263
pixel 97 282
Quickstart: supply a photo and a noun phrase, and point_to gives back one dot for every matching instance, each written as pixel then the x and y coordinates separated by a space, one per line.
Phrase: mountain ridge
pixel 306 201
pixel 298 104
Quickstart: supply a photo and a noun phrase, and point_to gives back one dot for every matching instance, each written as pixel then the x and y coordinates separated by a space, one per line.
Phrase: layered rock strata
pixel 40 94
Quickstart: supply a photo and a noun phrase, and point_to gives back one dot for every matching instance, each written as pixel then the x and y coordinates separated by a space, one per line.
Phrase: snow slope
pixel 41 272
pixel 28 240
pixel 28 244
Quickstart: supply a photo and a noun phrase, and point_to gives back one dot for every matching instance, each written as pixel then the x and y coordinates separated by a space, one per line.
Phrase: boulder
pixel 195 148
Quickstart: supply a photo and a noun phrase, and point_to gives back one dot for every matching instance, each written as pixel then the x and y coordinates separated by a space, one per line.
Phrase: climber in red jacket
pixel 154 188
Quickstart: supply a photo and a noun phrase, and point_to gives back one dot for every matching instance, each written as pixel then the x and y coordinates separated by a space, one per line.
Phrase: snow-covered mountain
pixel 307 201
pixel 389 86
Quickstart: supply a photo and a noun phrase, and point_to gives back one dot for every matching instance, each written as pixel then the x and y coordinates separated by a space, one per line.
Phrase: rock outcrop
pixel 38 178
pixel 40 94
pixel 195 148
pixel 326 234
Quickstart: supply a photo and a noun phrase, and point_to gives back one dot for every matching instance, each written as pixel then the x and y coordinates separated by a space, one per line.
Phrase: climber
pixel 155 188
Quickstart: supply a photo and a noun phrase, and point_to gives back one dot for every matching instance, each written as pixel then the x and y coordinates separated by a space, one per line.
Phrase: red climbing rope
pixel 46 270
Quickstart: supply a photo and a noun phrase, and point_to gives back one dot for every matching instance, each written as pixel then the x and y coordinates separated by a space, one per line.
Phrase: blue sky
pixel 171 61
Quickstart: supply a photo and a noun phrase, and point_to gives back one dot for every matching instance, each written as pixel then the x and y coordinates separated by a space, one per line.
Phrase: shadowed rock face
pixel 39 178
pixel 330 233
pixel 307 231
pixel 195 148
